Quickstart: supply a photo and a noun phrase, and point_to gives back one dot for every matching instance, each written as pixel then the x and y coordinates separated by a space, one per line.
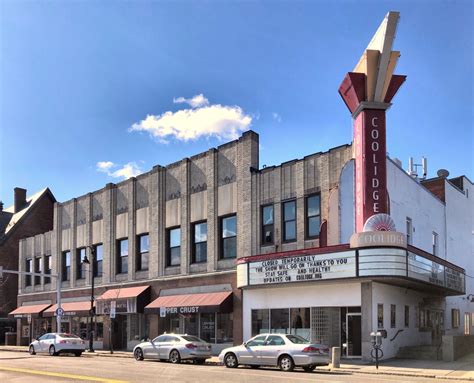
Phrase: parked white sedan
pixel 283 350
pixel 174 348
pixel 54 344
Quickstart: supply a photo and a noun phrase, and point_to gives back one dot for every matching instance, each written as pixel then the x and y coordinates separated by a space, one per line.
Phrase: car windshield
pixel 191 338
pixel 68 336
pixel 296 339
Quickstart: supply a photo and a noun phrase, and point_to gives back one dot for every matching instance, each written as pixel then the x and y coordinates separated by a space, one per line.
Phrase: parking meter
pixel 376 339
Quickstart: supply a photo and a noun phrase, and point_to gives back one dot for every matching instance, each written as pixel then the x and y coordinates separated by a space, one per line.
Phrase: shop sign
pixel 378 239
pixel 162 312
pixel 25 331
pixel 425 270
pixel 454 279
pixel 371 165
pixel 28 318
pixel 113 309
pixel 181 310
pixel 303 268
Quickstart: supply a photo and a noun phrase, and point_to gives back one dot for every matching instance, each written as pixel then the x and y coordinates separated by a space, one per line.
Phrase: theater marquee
pixel 302 268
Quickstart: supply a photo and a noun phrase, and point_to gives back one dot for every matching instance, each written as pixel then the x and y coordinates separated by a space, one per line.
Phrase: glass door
pixel 354 338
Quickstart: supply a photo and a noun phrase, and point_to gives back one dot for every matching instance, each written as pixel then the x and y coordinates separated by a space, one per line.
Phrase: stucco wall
pixel 460 224
pixel 410 336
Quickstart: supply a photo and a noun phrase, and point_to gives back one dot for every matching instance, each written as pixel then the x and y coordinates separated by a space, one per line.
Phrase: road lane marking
pixel 62 375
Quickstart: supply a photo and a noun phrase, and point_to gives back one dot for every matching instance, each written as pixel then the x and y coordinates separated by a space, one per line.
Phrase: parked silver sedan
pixel 57 343
pixel 283 350
pixel 174 348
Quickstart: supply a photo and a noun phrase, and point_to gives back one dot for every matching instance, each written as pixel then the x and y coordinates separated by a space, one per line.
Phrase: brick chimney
pixel 20 199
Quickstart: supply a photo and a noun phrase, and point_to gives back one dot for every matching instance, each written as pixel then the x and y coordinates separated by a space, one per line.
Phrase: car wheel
pixel 286 363
pixel 199 361
pixel 31 350
pixel 175 357
pixel 138 354
pixel 230 360
pixel 309 368
pixel 78 353
pixel 52 351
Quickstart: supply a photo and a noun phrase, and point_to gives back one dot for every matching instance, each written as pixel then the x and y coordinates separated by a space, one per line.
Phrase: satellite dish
pixel 442 173
pixel 379 222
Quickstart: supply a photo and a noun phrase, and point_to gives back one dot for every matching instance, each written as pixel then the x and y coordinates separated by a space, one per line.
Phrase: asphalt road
pixel 16 367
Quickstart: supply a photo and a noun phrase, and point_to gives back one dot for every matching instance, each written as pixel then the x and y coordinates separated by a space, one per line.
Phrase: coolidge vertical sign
pixel 371 166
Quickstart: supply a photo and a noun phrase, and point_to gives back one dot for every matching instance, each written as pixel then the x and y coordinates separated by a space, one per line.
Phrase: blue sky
pixel 76 76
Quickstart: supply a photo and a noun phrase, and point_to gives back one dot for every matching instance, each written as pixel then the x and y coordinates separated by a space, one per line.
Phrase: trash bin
pixel 10 339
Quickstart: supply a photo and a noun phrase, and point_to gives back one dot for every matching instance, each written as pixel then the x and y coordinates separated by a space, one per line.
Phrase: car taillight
pixel 311 349
pixel 191 346
pixel 63 341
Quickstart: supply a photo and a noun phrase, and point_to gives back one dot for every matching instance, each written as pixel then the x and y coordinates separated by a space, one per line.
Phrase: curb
pixel 334 370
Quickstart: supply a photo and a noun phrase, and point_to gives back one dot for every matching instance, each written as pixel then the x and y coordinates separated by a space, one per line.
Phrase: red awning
pixel 192 303
pixel 70 309
pixel 127 292
pixel 33 310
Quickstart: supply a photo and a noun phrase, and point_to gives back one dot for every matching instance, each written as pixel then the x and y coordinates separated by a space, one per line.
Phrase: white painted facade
pixel 400 297
pixel 460 250
pixel 407 199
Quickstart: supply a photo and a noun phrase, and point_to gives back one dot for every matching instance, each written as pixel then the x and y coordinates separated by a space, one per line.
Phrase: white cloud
pixel 276 117
pixel 128 170
pixel 104 166
pixel 203 120
pixel 195 102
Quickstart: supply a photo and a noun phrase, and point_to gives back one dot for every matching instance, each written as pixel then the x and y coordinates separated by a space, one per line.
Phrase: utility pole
pixel 58 288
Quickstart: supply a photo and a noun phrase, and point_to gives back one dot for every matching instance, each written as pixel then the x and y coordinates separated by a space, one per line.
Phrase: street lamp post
pixel 91 311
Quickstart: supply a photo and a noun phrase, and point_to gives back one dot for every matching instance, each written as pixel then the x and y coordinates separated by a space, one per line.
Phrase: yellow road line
pixel 62 375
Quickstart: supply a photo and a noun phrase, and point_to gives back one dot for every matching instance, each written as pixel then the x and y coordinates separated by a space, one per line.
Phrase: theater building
pixel 331 246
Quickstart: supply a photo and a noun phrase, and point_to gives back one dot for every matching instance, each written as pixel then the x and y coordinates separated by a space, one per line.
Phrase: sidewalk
pixel 461 369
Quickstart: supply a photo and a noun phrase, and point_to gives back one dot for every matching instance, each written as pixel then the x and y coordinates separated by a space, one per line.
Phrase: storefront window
pixel 260 321
pixel 279 321
pixel 191 324
pixel 169 324
pixel 208 327
pixel 300 322
pixel 225 324
pixel 99 328
pixel 79 326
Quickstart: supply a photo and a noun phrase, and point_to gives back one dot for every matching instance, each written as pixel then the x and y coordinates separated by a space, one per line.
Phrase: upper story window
pixel 80 266
pixel 407 316
pixel 98 259
pixel 380 315
pixel 289 221
pixel 47 268
pixel 435 243
pixel 143 248
pixel 267 225
pixel 122 256
pixel 313 216
pixel 199 242
pixel 409 231
pixel 37 278
pixel 173 256
pixel 228 237
pixel 28 269
pixel 66 265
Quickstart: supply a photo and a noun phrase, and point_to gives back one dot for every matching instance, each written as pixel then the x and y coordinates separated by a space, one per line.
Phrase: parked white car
pixel 174 348
pixel 283 350
pixel 55 344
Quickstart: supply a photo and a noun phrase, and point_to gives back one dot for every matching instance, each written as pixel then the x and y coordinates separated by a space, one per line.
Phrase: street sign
pixel 59 312
pixel 113 306
pixel 162 312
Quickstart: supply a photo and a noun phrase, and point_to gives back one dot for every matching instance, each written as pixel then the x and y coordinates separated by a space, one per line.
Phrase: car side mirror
pixel 244 344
